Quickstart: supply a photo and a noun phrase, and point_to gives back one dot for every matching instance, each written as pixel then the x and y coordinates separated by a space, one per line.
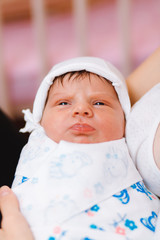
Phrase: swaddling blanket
pixel 83 191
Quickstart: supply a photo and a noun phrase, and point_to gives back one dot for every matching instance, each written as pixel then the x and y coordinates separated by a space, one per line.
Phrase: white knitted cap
pixel 90 64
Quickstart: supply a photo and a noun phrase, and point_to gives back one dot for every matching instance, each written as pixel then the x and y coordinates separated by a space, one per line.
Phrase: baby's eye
pixel 99 103
pixel 63 103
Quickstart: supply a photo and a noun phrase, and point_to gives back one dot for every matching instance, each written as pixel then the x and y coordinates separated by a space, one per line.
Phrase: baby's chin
pixel 87 140
pixel 82 139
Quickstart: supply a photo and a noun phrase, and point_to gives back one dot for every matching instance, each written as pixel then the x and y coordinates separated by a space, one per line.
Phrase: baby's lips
pixel 79 127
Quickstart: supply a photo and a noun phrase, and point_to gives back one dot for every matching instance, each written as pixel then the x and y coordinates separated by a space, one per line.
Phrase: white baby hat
pixel 90 64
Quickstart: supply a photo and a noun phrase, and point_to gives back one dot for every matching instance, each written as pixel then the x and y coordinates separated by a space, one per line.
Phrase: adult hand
pixel 13 226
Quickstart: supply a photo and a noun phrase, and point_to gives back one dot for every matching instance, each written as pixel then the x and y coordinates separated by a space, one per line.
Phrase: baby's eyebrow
pixel 58 95
pixel 53 96
pixel 103 94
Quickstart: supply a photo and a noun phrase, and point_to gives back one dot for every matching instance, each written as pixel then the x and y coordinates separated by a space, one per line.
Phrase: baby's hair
pixel 78 75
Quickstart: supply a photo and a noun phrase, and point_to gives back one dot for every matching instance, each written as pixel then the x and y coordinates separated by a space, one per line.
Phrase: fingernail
pixel 4 191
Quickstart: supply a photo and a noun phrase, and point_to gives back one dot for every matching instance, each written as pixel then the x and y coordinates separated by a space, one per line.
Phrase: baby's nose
pixel 82 110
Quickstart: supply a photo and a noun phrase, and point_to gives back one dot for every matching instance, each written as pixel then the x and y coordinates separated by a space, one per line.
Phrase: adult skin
pixel 13 225
pixel 144 77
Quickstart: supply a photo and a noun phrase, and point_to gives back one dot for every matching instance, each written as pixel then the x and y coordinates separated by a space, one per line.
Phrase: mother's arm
pixel 144 77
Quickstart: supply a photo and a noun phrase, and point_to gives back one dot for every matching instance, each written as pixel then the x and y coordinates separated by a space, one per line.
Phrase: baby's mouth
pixel 82 128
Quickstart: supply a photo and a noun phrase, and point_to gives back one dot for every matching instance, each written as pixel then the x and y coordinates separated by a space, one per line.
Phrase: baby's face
pixel 83 111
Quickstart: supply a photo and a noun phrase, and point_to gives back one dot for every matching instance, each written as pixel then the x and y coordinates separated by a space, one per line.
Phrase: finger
pixel 1 235
pixel 13 222
pixel 8 202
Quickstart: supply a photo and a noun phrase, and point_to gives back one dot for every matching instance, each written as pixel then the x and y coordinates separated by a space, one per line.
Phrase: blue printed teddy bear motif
pixel 68 165
pixel 115 166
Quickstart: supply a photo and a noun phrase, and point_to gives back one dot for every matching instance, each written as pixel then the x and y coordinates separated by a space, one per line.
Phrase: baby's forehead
pixel 62 83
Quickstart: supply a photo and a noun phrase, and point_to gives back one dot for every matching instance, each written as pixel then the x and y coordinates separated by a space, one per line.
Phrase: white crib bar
pixel 123 7
pixel 80 23
pixel 39 23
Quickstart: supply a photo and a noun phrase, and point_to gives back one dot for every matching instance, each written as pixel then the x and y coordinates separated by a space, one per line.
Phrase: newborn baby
pixel 75 178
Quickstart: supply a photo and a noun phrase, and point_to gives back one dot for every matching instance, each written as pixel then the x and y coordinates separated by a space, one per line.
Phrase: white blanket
pixel 71 191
